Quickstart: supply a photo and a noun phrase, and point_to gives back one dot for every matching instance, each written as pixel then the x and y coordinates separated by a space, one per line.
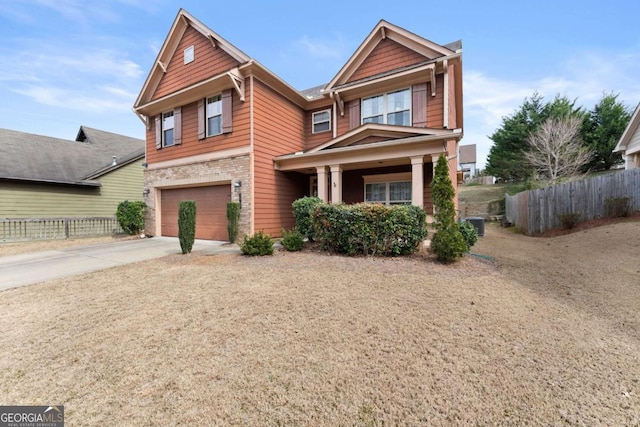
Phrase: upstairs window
pixel 214 115
pixel 167 129
pixel 321 121
pixel 392 108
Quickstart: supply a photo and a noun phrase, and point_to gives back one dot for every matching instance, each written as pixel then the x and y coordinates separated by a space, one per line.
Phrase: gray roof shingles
pixel 25 156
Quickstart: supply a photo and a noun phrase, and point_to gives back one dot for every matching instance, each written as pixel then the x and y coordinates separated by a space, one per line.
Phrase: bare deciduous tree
pixel 555 149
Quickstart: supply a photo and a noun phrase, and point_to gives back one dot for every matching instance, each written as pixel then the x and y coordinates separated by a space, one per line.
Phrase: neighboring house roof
pixel 30 157
pixel 467 153
pixel 628 133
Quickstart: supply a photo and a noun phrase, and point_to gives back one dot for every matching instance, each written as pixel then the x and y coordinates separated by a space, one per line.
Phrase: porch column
pixel 322 183
pixel 417 181
pixel 336 184
pixel 434 161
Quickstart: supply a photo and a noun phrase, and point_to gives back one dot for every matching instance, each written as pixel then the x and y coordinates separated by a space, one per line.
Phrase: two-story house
pixel 222 127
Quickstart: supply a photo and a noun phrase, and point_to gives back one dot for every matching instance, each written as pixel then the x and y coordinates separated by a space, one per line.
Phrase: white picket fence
pixel 19 229
pixel 536 211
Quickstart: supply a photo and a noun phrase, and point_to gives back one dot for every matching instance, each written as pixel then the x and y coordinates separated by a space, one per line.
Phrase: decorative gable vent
pixel 189 54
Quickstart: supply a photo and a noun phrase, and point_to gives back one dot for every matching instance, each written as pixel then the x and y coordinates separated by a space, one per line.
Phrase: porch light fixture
pixel 237 185
pixel 145 192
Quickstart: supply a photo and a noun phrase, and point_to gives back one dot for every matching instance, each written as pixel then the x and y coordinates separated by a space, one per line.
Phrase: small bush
pixel 569 220
pixel 448 244
pixel 130 216
pixel 370 229
pixel 233 214
pixel 292 240
pixel 617 207
pixel 259 244
pixel 469 233
pixel 186 225
pixel 302 211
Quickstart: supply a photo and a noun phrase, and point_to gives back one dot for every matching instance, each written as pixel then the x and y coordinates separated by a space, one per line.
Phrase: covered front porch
pixel 390 171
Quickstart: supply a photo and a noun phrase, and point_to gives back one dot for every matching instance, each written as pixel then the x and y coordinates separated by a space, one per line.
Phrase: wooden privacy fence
pixel 16 229
pixel 536 211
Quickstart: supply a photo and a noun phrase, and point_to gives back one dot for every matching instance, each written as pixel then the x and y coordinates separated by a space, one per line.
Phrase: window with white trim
pixel 321 121
pixel 189 54
pixel 214 115
pixel 388 189
pixel 392 108
pixel 167 129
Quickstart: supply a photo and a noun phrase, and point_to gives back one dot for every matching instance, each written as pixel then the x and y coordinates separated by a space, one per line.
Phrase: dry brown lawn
pixel 545 334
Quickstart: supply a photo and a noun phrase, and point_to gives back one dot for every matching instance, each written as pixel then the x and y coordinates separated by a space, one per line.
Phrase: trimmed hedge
pixel 302 210
pixel 233 214
pixel 369 229
pixel 186 225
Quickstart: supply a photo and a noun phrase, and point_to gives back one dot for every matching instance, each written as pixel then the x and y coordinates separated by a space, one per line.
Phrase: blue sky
pixel 66 63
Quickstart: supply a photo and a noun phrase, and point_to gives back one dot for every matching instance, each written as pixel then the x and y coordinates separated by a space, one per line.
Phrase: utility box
pixel 478 223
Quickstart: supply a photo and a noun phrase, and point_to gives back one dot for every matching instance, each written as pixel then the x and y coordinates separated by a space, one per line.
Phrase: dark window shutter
pixel 227 111
pixel 177 126
pixel 201 118
pixel 354 114
pixel 159 131
pixel 419 105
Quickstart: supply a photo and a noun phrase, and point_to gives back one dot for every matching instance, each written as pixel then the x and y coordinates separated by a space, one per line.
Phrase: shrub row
pixel 369 229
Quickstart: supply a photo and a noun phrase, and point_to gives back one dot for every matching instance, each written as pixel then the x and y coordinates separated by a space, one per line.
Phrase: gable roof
pixel 630 130
pixel 30 157
pixel 406 38
pixel 467 153
pixel 180 24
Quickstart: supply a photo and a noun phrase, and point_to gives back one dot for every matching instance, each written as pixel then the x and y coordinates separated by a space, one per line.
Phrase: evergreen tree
pixel 448 244
pixel 604 127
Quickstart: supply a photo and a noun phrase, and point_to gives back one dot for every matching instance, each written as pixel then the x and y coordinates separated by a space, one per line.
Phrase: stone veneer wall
pixel 224 171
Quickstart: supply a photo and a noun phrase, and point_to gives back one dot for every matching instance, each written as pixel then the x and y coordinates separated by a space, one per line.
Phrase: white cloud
pixel 319 48
pixel 584 76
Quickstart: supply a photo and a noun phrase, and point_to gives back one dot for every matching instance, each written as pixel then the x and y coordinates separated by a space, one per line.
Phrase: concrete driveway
pixel 26 269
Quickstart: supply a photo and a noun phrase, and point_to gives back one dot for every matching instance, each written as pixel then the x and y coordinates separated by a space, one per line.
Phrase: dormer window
pixel 392 108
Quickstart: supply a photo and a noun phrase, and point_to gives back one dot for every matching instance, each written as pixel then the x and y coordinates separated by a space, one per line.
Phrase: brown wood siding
pixel 278 129
pixel 314 139
pixel 191 145
pixel 211 210
pixel 208 62
pixel 435 104
pixel 371 140
pixel 386 56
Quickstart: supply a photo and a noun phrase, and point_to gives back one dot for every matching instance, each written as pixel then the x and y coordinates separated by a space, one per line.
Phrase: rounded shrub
pixel 293 240
pixel 448 245
pixel 257 245
pixel 469 232
pixel 130 216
